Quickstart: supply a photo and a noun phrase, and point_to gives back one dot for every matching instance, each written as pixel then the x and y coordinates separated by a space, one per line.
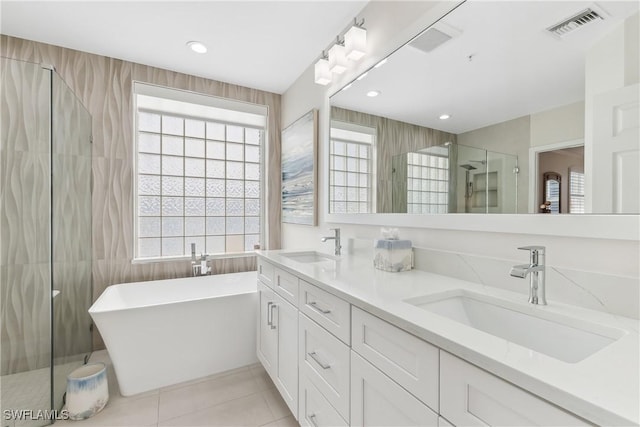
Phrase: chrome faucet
pixel 536 269
pixel 336 238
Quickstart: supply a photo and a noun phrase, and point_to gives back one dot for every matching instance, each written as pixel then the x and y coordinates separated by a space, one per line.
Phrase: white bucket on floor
pixel 87 391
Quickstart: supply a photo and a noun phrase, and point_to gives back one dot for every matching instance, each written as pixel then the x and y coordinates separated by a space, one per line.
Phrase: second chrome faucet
pixel 536 271
pixel 335 238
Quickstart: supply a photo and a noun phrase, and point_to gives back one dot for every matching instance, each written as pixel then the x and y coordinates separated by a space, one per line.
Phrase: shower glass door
pixel 25 246
pixel 71 234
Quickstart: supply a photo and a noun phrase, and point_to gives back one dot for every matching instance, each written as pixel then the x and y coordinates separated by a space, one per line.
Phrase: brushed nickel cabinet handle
pixel 314 356
pixel 317 308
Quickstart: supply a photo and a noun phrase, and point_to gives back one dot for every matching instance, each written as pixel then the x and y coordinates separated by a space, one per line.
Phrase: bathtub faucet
pixel 199 268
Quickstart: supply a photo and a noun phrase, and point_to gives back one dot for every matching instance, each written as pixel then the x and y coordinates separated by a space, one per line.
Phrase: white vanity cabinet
pixel 470 396
pixel 277 343
pixel 338 365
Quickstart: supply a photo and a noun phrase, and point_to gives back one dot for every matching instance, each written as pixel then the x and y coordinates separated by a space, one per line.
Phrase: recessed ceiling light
pixel 381 63
pixel 373 93
pixel 197 47
pixel 444 117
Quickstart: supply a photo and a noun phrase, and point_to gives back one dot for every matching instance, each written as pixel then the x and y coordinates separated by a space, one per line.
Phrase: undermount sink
pixel 309 257
pixel 568 339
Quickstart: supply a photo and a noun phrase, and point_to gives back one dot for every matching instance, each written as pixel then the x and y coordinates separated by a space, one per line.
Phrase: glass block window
pixel 198 181
pixel 351 168
pixel 576 191
pixel 427 183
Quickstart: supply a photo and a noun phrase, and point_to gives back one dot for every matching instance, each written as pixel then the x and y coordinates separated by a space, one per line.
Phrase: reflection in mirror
pixel 507 81
pixel 454 178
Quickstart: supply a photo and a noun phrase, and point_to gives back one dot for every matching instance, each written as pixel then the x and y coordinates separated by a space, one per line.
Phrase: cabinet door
pixel 470 396
pixel 376 400
pixel 267 335
pixel 285 321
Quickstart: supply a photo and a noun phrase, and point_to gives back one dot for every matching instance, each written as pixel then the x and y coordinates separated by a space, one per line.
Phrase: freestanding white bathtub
pixel 165 332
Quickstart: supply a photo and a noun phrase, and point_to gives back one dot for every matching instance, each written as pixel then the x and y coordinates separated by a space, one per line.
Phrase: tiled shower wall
pixel 393 138
pixel 25 251
pixel 104 86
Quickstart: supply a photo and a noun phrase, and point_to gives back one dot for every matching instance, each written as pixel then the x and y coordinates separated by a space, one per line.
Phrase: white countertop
pixel 603 388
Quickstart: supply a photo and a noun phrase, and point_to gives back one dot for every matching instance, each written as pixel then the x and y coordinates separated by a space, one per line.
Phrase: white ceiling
pixel 517 67
pixel 260 44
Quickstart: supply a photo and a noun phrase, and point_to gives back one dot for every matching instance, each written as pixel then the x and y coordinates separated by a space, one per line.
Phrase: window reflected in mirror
pixel 351 164
pixel 551 187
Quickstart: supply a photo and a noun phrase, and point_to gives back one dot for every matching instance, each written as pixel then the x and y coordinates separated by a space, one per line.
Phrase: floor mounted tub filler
pixel 165 332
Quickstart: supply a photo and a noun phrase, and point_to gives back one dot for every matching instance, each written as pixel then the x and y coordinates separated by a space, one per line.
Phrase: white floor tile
pixel 276 403
pixel 283 422
pixel 246 411
pixel 137 412
pixel 181 401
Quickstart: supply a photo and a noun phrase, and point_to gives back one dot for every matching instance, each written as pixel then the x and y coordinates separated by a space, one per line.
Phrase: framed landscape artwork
pixel 299 180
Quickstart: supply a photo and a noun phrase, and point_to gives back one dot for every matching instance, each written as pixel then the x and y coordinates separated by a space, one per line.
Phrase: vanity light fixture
pixel 197 47
pixel 373 93
pixel 355 41
pixel 350 44
pixel 337 58
pixel 322 75
pixel 362 76
pixel 444 117
pixel 347 86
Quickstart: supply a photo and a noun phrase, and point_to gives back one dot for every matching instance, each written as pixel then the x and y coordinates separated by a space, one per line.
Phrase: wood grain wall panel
pixel 104 86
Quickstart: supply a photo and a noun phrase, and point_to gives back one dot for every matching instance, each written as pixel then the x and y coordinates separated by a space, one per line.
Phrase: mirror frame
pixel 593 226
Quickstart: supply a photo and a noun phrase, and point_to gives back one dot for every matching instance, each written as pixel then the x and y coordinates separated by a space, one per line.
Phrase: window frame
pixel 140 88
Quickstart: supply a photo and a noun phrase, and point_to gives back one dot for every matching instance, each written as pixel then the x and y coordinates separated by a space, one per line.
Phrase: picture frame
pixel 299 170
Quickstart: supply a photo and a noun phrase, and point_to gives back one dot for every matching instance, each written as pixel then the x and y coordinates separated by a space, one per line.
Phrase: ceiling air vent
pixel 434 37
pixel 576 21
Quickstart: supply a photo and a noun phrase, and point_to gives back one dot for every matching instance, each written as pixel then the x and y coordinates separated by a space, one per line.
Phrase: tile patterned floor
pixel 31 390
pixel 242 397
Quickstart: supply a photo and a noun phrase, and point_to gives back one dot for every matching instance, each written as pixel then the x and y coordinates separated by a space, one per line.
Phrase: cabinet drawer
pixel 266 272
pixel 315 410
pixel 286 284
pixel 328 310
pixel 324 360
pixel 378 401
pixel 471 396
pixel 408 360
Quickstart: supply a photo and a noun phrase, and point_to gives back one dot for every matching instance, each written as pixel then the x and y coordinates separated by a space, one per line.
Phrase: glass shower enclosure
pixel 45 250
pixel 454 178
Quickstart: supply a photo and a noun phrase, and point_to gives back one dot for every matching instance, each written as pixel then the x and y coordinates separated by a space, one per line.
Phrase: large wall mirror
pixel 499 107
